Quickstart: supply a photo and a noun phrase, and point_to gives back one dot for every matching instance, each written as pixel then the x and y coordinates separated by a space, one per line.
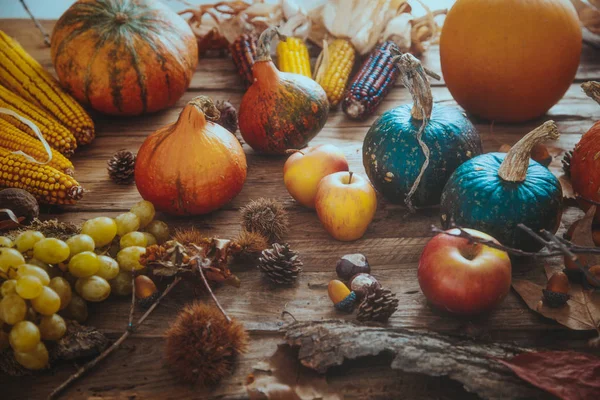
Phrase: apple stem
pixel 350 179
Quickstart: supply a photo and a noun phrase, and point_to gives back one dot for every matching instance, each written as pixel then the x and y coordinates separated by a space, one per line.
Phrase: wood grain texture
pixel 393 244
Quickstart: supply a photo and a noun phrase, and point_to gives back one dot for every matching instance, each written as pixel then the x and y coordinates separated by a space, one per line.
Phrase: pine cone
pixel 566 162
pixel 280 264
pixel 121 167
pixel 378 305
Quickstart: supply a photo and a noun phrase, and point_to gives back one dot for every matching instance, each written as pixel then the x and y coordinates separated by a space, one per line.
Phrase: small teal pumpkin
pixel 395 146
pixel 496 192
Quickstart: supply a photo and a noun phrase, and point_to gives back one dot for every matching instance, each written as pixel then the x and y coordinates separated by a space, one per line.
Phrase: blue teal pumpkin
pixel 393 157
pixel 496 192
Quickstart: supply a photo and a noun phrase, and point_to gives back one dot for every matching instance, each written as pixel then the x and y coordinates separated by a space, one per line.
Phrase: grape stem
pixel 117 344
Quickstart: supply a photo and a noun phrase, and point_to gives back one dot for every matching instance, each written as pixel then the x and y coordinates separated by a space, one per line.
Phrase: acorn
pixel 362 283
pixel 556 293
pixel 350 265
pixel 145 291
pixel 343 299
pixel 595 272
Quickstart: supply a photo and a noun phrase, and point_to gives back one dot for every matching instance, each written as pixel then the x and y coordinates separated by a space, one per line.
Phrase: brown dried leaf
pixel 565 374
pixel 324 344
pixel 283 377
pixel 567 188
pixel 581 313
pixel 583 234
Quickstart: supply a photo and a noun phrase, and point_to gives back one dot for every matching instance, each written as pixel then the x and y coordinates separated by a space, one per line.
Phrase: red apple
pixel 462 277
pixel 346 204
pixel 304 169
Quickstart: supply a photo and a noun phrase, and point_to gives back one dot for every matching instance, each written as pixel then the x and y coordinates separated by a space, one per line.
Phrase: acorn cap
pixel 555 299
pixel 347 305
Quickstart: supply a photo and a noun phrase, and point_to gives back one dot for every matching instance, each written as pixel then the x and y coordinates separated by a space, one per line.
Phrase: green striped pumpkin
pixel 124 57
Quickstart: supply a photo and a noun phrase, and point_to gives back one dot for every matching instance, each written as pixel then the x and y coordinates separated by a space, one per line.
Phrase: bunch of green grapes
pixel 44 279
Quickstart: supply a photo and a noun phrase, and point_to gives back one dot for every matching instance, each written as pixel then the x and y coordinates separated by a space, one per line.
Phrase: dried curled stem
pixel 592 89
pixel 515 164
pixel 263 47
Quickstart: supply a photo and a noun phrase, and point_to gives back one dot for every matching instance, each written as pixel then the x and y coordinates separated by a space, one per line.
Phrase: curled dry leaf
pixel 283 377
pixel 565 374
pixel 324 344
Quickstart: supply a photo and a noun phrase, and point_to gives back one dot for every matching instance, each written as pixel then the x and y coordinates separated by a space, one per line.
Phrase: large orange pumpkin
pixel 124 57
pixel 510 60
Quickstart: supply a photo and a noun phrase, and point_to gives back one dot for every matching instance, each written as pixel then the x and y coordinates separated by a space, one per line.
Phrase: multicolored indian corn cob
pixel 292 56
pixel 373 81
pixel 47 184
pixel 14 139
pixel 243 53
pixel 333 70
pixel 56 134
pixel 23 75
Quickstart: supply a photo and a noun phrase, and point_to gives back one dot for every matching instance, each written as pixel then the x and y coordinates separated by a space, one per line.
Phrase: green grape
pixel 93 289
pixel 51 251
pixel 102 229
pixel 10 259
pixel 109 268
pixel 84 264
pixel 76 310
pixel 50 270
pixel 33 270
pixel 52 327
pixel 121 285
pixel 133 239
pixel 24 336
pixel 8 287
pixel 26 240
pixel 35 359
pixel 127 222
pixel 46 303
pixel 63 289
pixel 29 287
pixel 150 239
pixel 80 243
pixel 145 212
pixel 159 230
pixel 13 309
pixel 6 242
pixel 129 258
pixel 4 342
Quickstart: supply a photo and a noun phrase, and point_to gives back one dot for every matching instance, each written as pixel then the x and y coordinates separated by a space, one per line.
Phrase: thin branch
pixel 37 23
pixel 115 345
pixel 590 201
pixel 132 308
pixel 210 291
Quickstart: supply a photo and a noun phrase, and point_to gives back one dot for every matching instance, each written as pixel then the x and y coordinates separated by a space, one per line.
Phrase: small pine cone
pixel 566 162
pixel 280 264
pixel 378 305
pixel 121 167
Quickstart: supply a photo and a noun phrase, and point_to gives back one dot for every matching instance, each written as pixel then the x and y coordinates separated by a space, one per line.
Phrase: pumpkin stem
pixel 208 108
pixel 592 89
pixel 263 47
pixel 515 164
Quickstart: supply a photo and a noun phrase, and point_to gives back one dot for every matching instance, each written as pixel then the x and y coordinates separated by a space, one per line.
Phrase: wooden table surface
pixel 392 243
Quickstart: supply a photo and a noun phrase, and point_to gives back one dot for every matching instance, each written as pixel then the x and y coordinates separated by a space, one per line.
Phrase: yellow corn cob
pixel 13 139
pixel 23 75
pixel 292 56
pixel 47 184
pixel 333 70
pixel 57 135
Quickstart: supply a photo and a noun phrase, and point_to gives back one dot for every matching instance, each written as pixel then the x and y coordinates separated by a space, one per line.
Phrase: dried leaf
pixel 567 188
pixel 565 374
pixel 583 234
pixel 581 313
pixel 283 377
pixel 324 344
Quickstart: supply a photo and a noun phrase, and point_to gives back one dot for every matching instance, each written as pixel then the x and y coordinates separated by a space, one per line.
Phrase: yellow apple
pixel 304 169
pixel 346 204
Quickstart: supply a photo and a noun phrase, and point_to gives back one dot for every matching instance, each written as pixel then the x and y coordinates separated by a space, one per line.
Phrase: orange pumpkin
pixel 510 60
pixel 124 57
pixel 280 110
pixel 193 166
